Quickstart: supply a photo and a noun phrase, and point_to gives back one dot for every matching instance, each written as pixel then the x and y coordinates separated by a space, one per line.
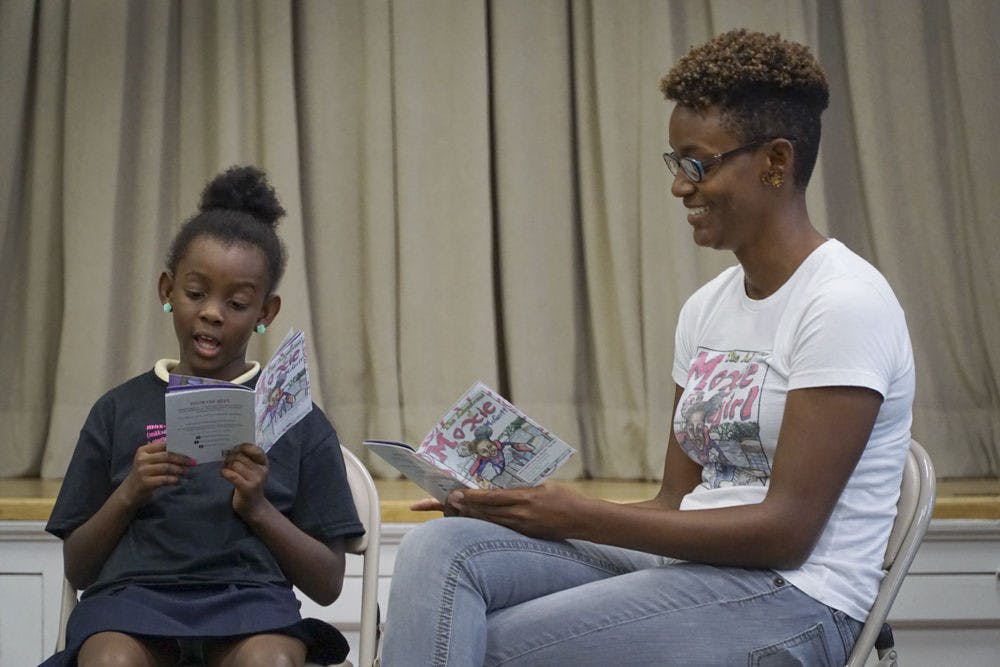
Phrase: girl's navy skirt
pixel 209 612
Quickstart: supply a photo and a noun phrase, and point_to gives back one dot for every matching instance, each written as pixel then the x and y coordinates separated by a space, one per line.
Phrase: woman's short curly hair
pixel 765 86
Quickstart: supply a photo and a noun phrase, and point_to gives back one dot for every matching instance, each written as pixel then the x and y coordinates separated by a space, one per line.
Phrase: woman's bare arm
pixel 824 431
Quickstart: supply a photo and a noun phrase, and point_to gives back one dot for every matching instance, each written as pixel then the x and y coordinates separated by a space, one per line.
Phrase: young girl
pixel 181 562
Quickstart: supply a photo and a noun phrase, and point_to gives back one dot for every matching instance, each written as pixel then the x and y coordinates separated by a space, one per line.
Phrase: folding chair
pixel 913 514
pixel 367 546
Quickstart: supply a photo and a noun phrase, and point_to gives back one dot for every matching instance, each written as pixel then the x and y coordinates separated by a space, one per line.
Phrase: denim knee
pixel 439 540
pixel 442 534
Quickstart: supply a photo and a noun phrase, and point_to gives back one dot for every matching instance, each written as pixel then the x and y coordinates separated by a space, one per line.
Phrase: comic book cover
pixel 282 395
pixel 482 441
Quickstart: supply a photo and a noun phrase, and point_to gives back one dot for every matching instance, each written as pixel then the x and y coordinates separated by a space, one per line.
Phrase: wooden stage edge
pixel 966 498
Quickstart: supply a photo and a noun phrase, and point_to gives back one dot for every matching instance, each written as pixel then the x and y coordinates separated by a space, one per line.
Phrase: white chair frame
pixel 913 515
pixel 367 546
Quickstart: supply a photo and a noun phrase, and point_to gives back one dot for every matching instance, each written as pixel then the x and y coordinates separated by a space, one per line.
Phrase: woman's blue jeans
pixel 467 592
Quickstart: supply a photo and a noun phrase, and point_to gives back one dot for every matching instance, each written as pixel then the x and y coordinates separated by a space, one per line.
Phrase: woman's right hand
pixel 152 467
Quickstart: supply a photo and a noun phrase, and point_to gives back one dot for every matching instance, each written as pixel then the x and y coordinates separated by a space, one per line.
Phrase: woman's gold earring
pixel 773 177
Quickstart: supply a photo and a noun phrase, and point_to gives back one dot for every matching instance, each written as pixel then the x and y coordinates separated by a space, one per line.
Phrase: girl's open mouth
pixel 206 344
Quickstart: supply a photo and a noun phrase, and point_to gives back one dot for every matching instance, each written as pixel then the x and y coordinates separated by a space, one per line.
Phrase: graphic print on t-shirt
pixel 155 433
pixel 718 419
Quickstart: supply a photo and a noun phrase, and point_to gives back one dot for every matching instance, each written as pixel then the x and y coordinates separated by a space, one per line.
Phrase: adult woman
pixel 791 420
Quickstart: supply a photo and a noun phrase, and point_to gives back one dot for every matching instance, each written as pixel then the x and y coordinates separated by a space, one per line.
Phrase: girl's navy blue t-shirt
pixel 188 533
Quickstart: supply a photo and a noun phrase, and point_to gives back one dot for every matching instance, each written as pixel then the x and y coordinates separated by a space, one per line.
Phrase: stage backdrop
pixel 474 191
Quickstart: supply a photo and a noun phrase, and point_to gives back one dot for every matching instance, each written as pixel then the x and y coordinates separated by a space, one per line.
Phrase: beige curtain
pixel 474 191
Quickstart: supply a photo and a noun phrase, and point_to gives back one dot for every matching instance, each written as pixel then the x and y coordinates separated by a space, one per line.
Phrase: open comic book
pixel 483 441
pixel 206 418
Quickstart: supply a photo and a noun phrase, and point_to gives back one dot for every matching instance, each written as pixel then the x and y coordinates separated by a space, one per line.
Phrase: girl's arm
pixel 317 569
pixel 87 548
pixel 824 431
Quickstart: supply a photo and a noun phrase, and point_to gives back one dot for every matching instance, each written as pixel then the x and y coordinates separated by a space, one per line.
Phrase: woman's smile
pixel 695 213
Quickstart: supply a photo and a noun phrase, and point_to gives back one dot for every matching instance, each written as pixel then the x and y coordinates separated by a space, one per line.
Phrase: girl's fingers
pixel 181 460
pixel 163 480
pixel 156 452
pixel 151 471
pixel 237 466
pixel 232 476
pixel 253 452
pixel 245 465
pixel 166 469
pixel 249 454
pixel 244 474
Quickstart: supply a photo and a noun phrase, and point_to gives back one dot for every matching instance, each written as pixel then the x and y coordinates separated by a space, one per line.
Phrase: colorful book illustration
pixel 206 418
pixel 483 441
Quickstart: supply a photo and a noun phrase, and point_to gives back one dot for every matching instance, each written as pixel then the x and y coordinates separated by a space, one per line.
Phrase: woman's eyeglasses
pixel 695 170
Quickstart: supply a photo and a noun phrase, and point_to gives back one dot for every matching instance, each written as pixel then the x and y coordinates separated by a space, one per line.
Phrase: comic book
pixel 483 441
pixel 206 418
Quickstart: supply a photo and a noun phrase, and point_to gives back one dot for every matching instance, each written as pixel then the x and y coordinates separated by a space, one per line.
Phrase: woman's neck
pixel 777 252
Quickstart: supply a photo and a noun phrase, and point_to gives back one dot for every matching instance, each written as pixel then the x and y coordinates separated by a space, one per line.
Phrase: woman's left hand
pixel 548 511
pixel 246 467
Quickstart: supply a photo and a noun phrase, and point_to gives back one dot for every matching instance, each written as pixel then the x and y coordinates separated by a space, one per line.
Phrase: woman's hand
pixel 434 505
pixel 152 467
pixel 431 505
pixel 548 511
pixel 246 467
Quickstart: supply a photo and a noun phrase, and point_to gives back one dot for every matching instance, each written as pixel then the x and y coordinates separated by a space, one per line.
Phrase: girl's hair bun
pixel 243 189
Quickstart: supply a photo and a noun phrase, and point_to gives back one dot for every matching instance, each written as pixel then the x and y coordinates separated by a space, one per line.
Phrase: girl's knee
pixel 275 658
pixel 115 649
pixel 264 650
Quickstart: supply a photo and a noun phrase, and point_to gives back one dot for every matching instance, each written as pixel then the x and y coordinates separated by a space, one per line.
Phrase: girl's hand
pixel 152 467
pixel 246 467
pixel 550 512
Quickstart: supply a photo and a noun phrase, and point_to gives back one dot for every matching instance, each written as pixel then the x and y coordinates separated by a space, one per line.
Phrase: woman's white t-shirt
pixel 835 322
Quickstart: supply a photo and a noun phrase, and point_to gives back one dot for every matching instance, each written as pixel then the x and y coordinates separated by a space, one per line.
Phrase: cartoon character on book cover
pixel 282 397
pixel 487 442
pixel 491 456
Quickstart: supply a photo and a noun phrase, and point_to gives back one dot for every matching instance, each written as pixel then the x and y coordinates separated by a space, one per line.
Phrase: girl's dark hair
pixel 765 87
pixel 239 207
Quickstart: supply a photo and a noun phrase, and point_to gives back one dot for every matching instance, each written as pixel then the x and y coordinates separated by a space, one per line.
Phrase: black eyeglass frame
pixel 695 169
